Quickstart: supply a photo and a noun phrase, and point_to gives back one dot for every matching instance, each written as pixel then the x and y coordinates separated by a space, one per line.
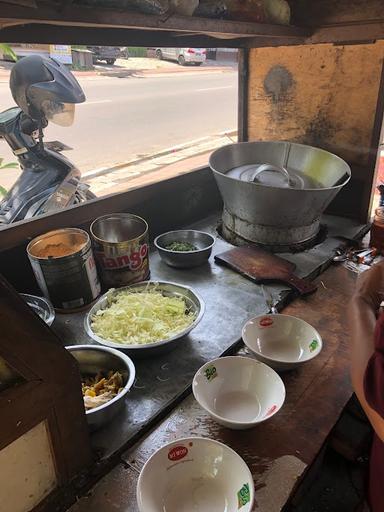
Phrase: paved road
pixel 124 117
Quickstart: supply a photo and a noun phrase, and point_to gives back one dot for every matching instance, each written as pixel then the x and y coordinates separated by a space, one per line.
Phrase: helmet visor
pixel 62 114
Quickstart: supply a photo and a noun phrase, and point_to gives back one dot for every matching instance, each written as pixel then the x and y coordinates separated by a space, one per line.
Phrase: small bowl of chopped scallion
pixel 185 248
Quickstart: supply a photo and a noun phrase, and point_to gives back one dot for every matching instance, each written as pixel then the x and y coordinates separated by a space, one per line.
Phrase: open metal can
pixel 121 245
pixel 64 267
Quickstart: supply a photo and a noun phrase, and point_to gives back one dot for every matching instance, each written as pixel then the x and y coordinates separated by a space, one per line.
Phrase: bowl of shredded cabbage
pixel 144 317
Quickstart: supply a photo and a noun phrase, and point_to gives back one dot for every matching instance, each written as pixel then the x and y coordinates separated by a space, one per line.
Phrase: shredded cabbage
pixel 139 318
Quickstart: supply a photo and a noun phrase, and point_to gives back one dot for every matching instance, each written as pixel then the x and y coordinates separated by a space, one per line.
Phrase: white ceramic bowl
pixel 238 392
pixel 195 474
pixel 281 341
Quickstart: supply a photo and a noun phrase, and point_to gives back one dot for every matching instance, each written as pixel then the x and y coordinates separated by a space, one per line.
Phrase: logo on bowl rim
pixel 266 322
pixel 177 453
pixel 313 345
pixel 210 372
pixel 243 496
pixel 271 410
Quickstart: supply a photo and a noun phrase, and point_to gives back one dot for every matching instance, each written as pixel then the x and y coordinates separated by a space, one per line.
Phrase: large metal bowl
pixel 185 259
pixel 192 301
pixel 270 215
pixel 93 359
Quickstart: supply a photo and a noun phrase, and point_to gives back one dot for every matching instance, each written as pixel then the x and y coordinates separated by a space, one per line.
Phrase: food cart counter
pixel 278 452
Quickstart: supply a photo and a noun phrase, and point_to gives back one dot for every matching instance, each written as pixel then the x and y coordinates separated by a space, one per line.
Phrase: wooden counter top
pixel 277 451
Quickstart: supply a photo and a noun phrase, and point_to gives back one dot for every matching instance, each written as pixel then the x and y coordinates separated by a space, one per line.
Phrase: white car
pixel 183 56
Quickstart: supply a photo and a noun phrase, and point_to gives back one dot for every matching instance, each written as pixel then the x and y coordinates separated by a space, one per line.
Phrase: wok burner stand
pixel 278 239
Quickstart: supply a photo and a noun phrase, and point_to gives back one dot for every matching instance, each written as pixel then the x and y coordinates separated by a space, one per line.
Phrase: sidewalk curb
pixel 139 73
pixel 150 73
pixel 183 73
pixel 106 170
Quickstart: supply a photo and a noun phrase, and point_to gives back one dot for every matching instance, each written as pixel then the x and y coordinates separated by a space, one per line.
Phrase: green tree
pixel 5 49
pixel 10 165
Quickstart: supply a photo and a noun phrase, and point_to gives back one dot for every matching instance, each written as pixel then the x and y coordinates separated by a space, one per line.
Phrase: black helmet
pixel 41 85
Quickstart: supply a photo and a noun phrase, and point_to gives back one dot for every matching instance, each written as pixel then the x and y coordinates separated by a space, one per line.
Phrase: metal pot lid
pixel 272 176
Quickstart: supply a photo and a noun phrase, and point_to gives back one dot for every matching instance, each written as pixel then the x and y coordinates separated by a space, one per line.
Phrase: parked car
pixel 107 53
pixel 183 56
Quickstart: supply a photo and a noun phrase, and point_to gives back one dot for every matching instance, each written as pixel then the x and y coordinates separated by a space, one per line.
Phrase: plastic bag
pixel 149 6
pixel 212 9
pixel 183 7
pixel 259 11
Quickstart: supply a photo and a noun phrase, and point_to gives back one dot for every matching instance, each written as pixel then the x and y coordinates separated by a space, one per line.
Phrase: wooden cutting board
pixel 261 266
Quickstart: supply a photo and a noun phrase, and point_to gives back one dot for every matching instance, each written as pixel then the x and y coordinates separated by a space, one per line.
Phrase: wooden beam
pixel 327 12
pixel 96 17
pixel 52 34
pixel 349 33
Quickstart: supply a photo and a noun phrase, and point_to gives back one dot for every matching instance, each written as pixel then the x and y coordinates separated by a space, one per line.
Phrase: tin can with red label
pixel 121 247
pixel 65 270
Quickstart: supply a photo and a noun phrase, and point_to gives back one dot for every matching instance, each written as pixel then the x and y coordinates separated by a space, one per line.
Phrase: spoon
pixel 269 301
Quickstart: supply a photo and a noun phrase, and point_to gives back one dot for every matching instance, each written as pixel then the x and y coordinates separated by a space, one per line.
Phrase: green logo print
pixel 244 496
pixel 313 346
pixel 210 372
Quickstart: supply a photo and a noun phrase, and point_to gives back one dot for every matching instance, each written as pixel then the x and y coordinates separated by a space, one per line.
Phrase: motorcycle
pixel 44 90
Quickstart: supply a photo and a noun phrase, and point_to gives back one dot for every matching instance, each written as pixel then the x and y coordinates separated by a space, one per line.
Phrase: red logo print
pixel 133 261
pixel 271 411
pixel 177 453
pixel 266 322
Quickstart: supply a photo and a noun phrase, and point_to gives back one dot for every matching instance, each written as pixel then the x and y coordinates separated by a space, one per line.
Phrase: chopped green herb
pixel 180 246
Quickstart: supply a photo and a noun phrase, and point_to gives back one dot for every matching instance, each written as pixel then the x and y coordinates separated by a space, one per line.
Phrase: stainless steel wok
pixel 275 192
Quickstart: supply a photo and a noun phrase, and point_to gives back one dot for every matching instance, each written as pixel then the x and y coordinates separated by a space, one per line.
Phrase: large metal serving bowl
pixel 93 359
pixel 185 259
pixel 192 301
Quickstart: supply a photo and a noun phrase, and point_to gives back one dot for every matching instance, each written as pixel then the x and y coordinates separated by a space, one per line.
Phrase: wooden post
pixel 243 81
pixel 44 393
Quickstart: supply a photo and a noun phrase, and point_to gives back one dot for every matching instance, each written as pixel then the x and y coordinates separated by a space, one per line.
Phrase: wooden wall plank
pixel 325 96
pixel 321 12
